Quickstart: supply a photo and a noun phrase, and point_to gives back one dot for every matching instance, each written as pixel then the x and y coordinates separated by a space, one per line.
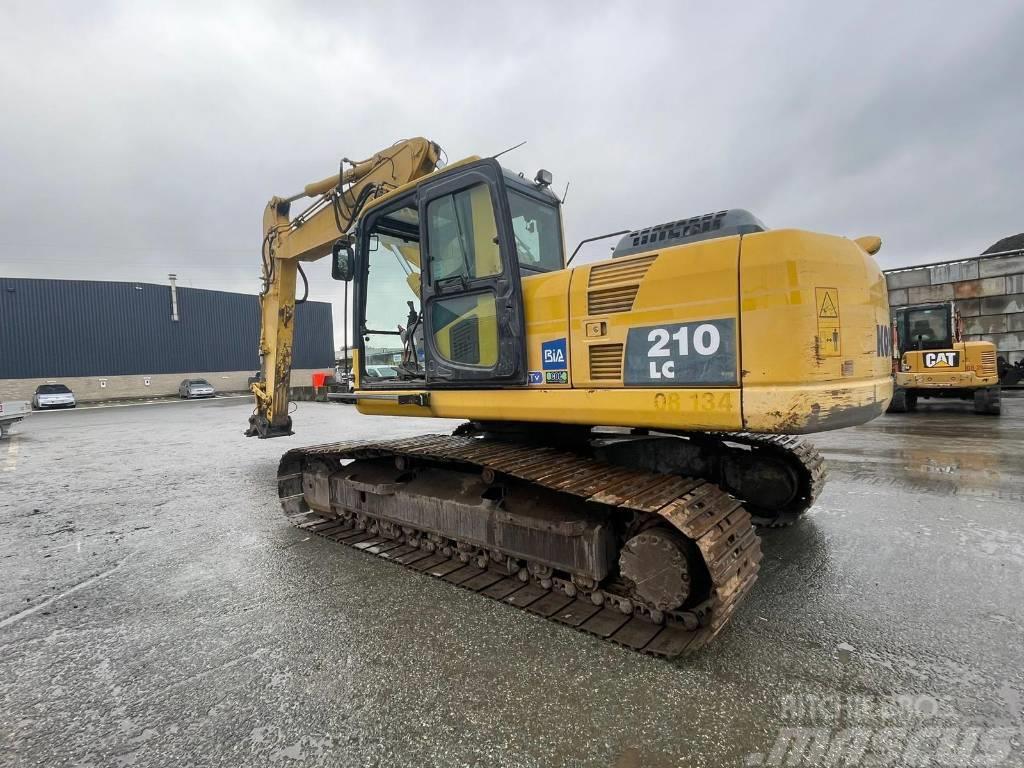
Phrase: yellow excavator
pixel 626 421
pixel 932 360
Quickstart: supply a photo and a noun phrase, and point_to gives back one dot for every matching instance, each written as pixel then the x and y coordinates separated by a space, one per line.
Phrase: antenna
pixel 565 194
pixel 517 146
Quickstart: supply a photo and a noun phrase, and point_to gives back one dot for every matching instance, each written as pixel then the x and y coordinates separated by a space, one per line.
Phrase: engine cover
pixel 735 221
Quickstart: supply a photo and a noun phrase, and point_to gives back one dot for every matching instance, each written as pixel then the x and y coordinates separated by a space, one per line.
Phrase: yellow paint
pixel 870 243
pixel 547 315
pixel 786 385
pixel 794 371
pixel 12 454
pixel 686 283
pixel 780 311
pixel 667 408
pixel 415 181
pixel 976 368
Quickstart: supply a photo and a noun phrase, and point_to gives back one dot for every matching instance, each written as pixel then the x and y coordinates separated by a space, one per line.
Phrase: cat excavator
pixel 933 359
pixel 627 422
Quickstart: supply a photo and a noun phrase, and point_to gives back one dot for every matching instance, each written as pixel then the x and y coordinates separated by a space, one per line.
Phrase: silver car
pixel 190 388
pixel 53 396
pixel 382 371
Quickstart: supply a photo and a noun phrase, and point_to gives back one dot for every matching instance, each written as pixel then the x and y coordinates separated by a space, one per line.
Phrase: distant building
pixel 115 339
pixel 988 290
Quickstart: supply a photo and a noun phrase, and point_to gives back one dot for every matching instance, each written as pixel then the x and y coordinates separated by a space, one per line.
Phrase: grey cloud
pixel 140 139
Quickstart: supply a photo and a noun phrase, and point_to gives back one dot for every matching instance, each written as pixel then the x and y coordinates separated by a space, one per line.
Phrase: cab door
pixel 474 330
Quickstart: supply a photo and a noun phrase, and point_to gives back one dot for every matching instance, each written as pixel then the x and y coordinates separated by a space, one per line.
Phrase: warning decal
pixel 828 306
pixel 829 341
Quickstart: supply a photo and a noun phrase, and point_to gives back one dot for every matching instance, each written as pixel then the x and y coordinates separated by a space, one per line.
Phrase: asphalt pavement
pixel 157 609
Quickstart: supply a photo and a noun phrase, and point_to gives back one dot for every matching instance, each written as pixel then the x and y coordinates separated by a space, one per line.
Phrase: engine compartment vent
pixel 606 362
pixel 989 364
pixel 734 221
pixel 611 300
pixel 612 287
pixel 612 273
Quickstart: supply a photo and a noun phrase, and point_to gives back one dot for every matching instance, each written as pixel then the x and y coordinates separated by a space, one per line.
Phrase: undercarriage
pixel 603 531
pixel 986 400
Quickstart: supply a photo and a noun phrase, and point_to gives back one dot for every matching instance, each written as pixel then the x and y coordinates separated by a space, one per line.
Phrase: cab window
pixel 392 247
pixel 463 235
pixel 538 233
pixel 928 328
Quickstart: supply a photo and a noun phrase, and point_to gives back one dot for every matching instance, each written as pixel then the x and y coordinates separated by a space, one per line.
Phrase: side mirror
pixel 343 262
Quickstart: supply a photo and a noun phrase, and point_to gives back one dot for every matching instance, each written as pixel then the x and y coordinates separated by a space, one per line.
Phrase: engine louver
pixel 988 364
pixel 606 362
pixel 613 286
pixel 612 300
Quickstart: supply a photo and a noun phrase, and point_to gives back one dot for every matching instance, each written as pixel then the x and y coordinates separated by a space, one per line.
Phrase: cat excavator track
pixel 654 562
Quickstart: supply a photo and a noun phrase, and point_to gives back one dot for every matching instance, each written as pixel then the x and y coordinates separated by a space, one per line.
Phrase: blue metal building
pixel 65 328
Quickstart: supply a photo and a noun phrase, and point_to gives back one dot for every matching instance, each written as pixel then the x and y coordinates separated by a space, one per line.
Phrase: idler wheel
pixel 657 563
pixel 764 482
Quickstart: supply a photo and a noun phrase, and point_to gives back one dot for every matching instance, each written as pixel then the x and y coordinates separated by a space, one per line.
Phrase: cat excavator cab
pixel 627 421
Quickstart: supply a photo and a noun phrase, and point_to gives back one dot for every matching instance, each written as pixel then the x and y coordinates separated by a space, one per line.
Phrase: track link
pixel 803 459
pixel 716 522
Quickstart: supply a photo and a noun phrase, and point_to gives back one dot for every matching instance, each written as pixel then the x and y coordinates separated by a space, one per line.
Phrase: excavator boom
pixel 308 236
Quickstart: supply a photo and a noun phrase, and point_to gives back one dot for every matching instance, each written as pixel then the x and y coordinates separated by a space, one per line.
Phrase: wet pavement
pixel 156 609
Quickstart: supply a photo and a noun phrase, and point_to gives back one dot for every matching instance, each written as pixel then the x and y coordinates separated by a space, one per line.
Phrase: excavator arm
pixel 308 236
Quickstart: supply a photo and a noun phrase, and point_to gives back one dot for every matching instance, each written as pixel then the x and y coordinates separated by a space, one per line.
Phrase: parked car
pixel 382 371
pixel 190 388
pixel 53 396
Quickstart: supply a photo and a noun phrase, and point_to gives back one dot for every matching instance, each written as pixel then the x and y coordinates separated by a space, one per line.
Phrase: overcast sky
pixel 145 138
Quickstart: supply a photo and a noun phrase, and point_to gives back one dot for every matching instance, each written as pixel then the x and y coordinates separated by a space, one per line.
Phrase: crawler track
pixel 776 477
pixel 717 524
pixel 803 460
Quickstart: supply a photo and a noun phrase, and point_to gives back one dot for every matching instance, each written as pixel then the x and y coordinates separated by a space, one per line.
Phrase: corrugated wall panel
pixel 54 328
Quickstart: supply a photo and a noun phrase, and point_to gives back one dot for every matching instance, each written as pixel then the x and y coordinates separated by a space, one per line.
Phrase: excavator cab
pixel 932 326
pixel 438 279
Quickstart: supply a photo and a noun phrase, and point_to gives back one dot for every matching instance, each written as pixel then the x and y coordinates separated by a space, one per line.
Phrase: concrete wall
pixel 89 388
pixel 988 290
